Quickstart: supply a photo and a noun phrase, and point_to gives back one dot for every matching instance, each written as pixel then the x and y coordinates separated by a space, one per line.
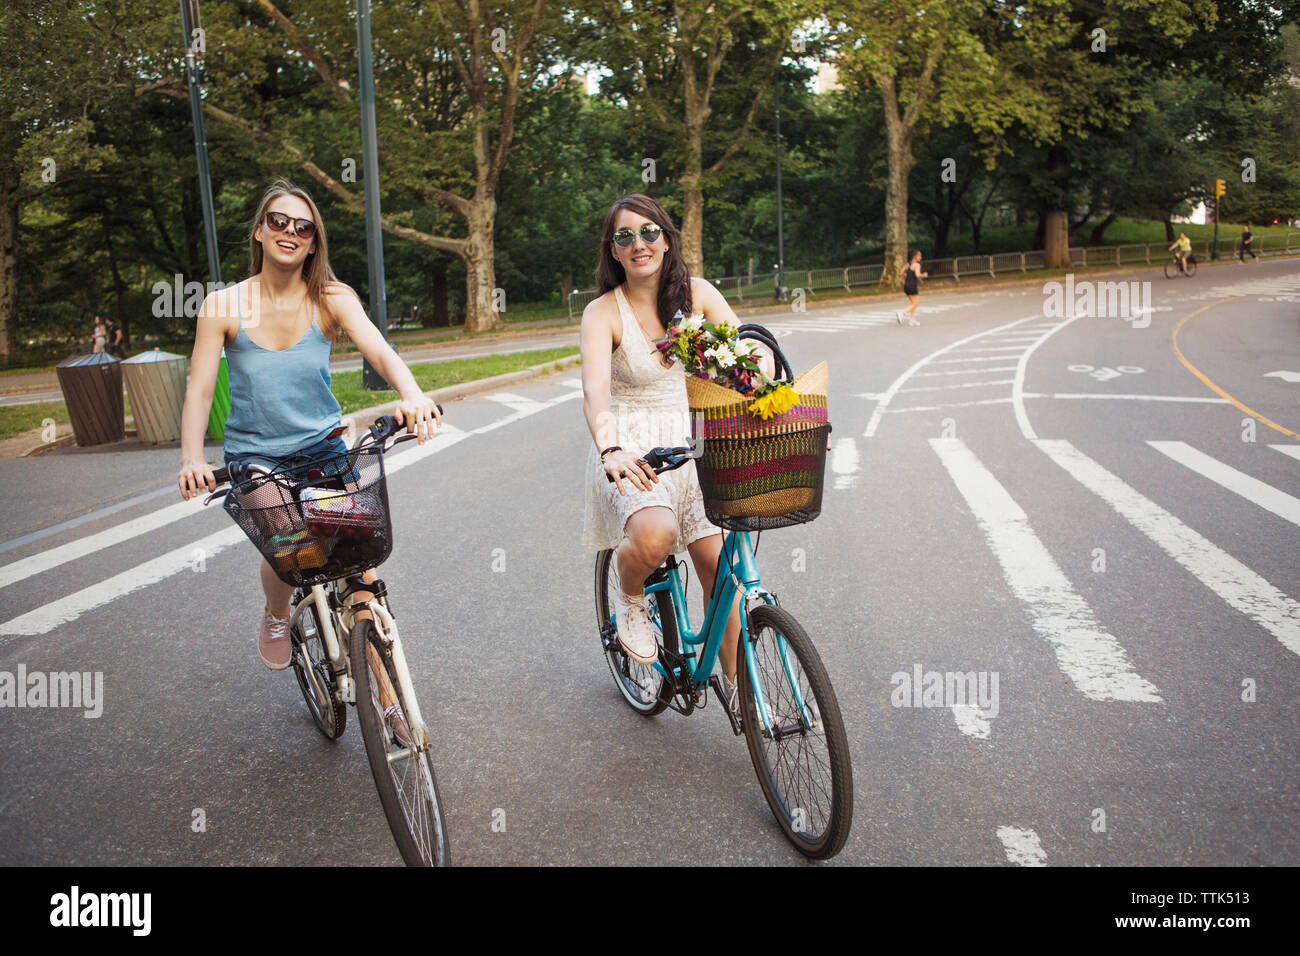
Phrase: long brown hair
pixel 674 278
pixel 316 271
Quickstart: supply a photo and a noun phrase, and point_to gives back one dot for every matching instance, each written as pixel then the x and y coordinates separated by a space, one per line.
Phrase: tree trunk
pixel 693 223
pixel 1099 230
pixel 1040 231
pixel 480 268
pixel 440 316
pixel 1056 239
pixel 8 264
pixel 900 166
pixel 1169 229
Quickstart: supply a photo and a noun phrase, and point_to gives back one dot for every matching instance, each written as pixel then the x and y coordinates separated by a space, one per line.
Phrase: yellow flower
pixel 779 400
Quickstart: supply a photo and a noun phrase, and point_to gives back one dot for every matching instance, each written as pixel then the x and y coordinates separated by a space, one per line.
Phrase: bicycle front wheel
pixel 795 735
pixel 1171 269
pixel 403 773
pixel 640 684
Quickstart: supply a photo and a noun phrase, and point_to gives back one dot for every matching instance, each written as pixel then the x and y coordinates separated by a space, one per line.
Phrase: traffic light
pixel 1220 187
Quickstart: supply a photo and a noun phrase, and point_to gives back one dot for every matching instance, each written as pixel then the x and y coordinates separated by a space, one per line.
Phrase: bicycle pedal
pixel 737 728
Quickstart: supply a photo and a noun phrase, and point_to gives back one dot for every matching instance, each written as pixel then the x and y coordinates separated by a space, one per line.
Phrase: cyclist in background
pixel 1181 248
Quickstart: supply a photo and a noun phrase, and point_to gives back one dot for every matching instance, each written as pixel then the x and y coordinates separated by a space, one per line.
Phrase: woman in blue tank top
pixel 276 327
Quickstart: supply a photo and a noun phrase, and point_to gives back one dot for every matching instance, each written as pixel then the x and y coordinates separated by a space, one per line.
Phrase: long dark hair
pixel 674 278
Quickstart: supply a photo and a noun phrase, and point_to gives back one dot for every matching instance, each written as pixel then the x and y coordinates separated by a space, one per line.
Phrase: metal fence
pixel 762 286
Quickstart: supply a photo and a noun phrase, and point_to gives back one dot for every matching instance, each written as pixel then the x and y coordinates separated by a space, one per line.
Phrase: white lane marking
pixel 1237 585
pixel 972 721
pixel 525 412
pixel 40 563
pixel 49 616
pixel 966 371
pixel 1292 450
pixel 845 462
pixel 1022 846
pixel 1252 489
pixel 973 358
pixel 517 402
pixel 935 408
pixel 572 382
pixel 935 388
pixel 1136 398
pixel 86 518
pixel 888 395
pixel 1090 656
pixel 999 348
pixel 1017 390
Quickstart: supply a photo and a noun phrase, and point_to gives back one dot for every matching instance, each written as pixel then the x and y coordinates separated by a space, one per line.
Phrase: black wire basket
pixel 320 520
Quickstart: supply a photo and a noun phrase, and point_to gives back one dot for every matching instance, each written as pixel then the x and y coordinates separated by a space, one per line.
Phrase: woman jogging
pixel 644 283
pixel 276 327
pixel 911 273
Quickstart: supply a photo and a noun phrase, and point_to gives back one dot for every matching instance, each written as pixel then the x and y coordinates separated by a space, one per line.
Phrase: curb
pixel 452 393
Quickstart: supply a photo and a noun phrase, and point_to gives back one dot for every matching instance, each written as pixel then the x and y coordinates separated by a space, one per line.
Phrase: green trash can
pixel 156 383
pixel 220 402
pixel 92 390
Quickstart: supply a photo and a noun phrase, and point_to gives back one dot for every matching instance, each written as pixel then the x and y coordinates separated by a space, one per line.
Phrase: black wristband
pixel 611 448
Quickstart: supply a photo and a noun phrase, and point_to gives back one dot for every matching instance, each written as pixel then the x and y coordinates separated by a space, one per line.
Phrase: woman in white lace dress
pixel 644 282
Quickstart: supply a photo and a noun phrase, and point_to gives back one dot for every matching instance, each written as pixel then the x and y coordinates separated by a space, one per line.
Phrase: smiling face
pixel 286 249
pixel 641 260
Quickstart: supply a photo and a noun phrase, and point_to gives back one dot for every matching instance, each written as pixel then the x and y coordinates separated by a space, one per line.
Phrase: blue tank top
pixel 279 401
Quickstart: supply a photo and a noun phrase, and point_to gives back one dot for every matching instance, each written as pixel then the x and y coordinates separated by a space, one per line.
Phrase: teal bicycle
pixel 789 715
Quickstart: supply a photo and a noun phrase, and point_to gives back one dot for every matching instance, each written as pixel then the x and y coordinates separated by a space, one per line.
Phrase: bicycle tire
pixel 643 688
pixel 817 831
pixel 329 714
pixel 1191 266
pixel 421 833
pixel 1171 269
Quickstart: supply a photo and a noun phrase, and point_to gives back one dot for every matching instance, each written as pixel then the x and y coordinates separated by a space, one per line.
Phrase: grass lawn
pixel 431 375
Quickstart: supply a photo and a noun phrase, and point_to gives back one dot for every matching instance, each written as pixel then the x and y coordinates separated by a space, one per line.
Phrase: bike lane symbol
pixel 1105 373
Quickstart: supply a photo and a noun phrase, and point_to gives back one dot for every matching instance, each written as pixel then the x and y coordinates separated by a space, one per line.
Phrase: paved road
pixel 1060 501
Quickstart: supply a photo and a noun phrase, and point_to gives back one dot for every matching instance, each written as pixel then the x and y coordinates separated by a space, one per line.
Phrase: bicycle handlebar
pixel 384 427
pixel 665 459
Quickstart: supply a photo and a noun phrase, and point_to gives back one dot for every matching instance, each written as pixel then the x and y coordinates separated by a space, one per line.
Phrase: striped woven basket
pixel 757 473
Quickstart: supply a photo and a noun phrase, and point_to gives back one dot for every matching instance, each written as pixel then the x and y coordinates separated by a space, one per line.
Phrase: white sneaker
pixel 635 633
pixel 899 316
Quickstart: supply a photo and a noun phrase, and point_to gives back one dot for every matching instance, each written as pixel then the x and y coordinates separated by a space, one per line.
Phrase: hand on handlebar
pixel 623 466
pixel 421 416
pixel 193 476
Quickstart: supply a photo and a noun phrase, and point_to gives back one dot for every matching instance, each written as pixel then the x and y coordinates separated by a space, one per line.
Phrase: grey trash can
pixel 92 390
pixel 156 383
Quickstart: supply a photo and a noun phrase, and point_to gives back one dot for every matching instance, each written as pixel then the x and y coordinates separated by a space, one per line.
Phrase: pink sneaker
pixel 273 642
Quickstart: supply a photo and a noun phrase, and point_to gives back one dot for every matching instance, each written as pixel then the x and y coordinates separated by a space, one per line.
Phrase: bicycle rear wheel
pixel 403 775
pixel 640 684
pixel 802 761
pixel 1191 266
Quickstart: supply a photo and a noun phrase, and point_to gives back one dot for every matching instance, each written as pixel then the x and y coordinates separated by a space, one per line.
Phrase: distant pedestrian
pixel 911 287
pixel 100 335
pixel 115 340
pixel 1246 245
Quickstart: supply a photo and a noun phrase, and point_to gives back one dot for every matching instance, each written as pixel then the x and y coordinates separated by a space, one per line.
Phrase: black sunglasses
pixel 278 222
pixel 650 234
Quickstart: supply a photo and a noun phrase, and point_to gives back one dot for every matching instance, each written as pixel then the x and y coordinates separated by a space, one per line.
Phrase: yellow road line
pixel 1201 375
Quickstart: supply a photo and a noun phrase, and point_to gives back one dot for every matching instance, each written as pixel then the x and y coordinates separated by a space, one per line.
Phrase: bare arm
pixel 596 345
pixel 214 324
pixel 415 410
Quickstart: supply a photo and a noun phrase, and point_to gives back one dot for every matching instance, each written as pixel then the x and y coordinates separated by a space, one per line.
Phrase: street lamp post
pixel 370 377
pixel 780 225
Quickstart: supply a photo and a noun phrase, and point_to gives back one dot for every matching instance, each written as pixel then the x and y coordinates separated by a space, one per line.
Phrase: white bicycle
pixel 321 524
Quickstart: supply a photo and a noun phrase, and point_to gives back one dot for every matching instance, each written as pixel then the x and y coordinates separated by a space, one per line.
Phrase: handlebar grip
pixel 222 475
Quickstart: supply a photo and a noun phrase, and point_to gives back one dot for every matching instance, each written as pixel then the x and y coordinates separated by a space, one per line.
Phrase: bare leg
pixel 704 556
pixel 277 592
pixel 648 539
pixel 913 301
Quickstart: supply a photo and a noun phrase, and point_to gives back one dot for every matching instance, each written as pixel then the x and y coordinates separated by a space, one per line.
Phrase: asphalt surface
pixel 995 504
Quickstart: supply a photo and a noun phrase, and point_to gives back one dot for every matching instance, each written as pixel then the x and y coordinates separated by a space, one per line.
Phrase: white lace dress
pixel 649 403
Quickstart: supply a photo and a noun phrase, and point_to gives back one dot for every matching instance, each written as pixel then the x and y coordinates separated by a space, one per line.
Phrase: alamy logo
pixel 1130 301
pixel 178 298
pixel 78 690
pixel 946 689
pixel 102 909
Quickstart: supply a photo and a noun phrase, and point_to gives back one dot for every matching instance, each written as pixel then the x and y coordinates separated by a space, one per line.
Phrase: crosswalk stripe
pixel 1022 846
pixel 973 358
pixel 1252 489
pixel 1292 450
pixel 1090 656
pixel 967 371
pixel 935 388
pixel 1237 585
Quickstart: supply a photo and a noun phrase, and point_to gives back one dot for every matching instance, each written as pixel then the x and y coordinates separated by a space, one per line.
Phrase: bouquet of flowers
pixel 715 351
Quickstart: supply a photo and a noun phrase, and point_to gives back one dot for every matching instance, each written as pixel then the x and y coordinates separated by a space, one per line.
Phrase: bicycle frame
pixel 336 650
pixel 737 573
